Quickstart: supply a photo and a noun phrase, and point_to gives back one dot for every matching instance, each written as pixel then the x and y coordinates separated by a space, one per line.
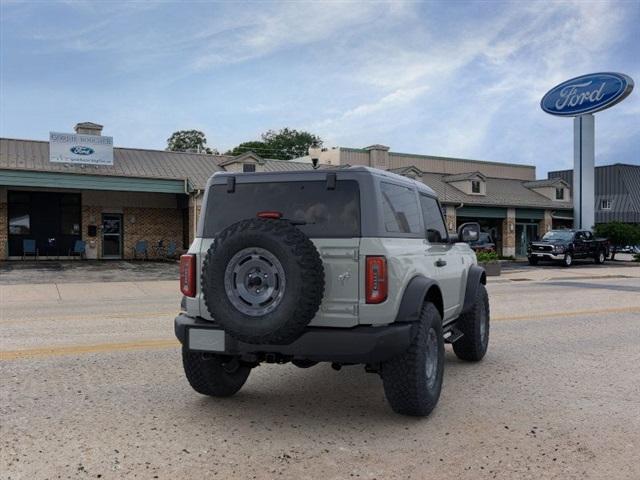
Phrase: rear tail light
pixel 376 282
pixel 188 275
pixel 273 215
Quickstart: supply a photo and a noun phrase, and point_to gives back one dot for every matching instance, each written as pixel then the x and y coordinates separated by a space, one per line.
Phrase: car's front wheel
pixel 600 257
pixel 533 260
pixel 413 380
pixel 567 261
pixel 474 326
pixel 214 375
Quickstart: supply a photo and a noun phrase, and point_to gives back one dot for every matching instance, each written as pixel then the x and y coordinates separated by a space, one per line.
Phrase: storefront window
pixel 19 220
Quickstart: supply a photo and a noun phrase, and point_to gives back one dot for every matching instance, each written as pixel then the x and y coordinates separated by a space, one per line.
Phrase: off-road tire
pixel 405 376
pixel 214 375
pixel 600 257
pixel 533 261
pixel 303 271
pixel 567 261
pixel 473 344
pixel 303 363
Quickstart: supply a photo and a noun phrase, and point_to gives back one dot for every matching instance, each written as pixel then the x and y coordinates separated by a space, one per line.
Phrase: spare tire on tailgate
pixel 263 281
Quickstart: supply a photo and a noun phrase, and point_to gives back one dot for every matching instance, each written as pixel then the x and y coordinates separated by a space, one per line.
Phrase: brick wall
pixel 152 225
pixel 509 233
pixel 545 224
pixel 92 215
pixel 451 218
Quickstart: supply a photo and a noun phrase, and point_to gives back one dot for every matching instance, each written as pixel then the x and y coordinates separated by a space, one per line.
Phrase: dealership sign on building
pixel 80 149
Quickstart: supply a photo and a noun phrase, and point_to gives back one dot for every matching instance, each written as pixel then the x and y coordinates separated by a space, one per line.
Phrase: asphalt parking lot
pixel 92 387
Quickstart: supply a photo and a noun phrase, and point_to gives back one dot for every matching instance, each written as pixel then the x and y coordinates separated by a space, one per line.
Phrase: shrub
pixel 486 257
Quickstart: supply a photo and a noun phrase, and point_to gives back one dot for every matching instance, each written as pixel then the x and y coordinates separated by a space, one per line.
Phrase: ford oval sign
pixel 78 150
pixel 587 94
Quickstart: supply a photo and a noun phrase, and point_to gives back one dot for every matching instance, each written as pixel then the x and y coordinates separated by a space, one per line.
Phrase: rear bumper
pixel 361 344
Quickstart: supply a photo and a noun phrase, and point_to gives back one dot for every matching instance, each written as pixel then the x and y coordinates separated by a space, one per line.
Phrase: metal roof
pixel 33 155
pixel 499 191
pixel 547 182
pixel 463 176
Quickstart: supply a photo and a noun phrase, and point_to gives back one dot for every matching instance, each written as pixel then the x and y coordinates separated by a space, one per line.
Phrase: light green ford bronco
pixel 348 266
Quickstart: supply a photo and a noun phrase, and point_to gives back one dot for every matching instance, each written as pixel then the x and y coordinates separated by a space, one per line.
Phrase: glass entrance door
pixel 525 233
pixel 111 235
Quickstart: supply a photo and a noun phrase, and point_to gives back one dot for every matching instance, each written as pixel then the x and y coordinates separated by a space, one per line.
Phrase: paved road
pixel 88 392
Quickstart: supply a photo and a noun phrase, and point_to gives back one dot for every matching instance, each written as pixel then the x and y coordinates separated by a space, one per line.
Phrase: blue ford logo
pixel 587 94
pixel 79 150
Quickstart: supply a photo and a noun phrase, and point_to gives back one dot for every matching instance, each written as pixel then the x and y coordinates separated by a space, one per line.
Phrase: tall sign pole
pixel 580 97
pixel 583 171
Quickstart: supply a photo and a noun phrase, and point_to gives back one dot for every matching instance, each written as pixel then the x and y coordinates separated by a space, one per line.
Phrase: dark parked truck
pixel 565 246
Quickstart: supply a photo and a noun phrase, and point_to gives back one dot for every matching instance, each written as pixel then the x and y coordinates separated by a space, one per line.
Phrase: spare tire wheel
pixel 263 281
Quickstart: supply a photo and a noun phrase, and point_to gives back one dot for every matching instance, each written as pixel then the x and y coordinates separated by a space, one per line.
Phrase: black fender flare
pixel 417 291
pixel 475 277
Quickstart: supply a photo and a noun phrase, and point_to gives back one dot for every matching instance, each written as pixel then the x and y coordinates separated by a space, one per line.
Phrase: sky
pixel 451 78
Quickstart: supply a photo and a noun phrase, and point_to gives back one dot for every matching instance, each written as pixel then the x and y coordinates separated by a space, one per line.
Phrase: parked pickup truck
pixel 566 245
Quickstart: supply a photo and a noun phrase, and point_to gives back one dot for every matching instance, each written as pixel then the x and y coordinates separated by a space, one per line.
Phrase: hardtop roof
pixel 319 174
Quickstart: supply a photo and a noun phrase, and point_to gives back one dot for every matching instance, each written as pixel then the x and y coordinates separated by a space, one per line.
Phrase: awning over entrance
pixel 562 216
pixel 530 213
pixel 26 178
pixel 482 212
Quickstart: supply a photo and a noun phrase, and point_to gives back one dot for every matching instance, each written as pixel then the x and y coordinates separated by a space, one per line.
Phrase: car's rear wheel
pixel 214 375
pixel 474 325
pixel 413 380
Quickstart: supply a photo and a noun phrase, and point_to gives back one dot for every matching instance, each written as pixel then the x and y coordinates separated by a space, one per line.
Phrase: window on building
pixel 605 204
pixel 436 231
pixel 248 167
pixel 560 193
pixel 400 209
pixel 19 213
pixel 70 214
pixel 475 186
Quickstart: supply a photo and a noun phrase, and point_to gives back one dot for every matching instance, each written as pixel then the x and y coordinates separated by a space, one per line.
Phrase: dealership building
pixel 137 195
pixel 114 198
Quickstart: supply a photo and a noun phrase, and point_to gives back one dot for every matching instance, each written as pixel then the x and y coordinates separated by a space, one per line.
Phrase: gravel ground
pixel 558 396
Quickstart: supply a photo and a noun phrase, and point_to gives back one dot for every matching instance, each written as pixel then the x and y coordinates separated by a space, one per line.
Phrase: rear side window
pixel 323 213
pixel 433 221
pixel 400 209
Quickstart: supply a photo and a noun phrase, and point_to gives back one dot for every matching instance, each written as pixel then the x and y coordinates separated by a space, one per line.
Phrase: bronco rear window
pixel 322 213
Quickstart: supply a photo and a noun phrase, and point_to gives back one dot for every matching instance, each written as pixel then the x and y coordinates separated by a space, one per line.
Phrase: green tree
pixel 189 141
pixel 256 147
pixel 619 234
pixel 283 144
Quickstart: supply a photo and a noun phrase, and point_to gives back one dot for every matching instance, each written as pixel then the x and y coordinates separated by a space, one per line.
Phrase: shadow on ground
pixel 82 271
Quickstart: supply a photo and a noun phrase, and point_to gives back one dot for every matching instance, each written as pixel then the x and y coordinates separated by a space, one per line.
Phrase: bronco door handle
pixel 440 263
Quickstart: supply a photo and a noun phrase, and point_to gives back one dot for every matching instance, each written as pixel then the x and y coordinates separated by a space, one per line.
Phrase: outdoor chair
pixel 79 248
pixel 172 248
pixel 159 249
pixel 142 249
pixel 29 248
